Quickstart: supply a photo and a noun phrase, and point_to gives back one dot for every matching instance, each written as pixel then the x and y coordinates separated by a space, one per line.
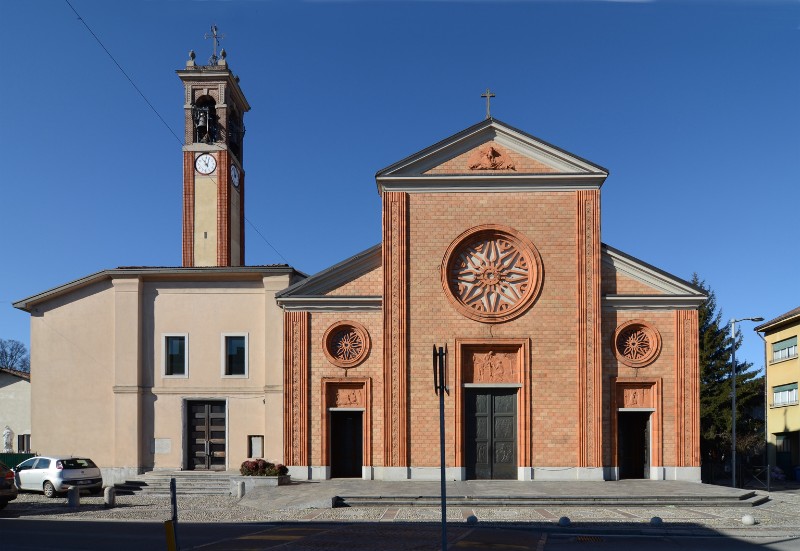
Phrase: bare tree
pixel 14 355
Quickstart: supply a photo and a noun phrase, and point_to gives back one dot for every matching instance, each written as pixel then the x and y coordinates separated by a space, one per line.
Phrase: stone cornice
pixel 331 303
pixel 235 273
pixel 506 183
pixel 652 302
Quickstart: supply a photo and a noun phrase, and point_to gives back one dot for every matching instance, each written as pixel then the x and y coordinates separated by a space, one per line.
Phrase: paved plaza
pixel 304 503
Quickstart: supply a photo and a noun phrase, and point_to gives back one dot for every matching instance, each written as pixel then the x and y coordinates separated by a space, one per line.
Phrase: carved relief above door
pixel 491 365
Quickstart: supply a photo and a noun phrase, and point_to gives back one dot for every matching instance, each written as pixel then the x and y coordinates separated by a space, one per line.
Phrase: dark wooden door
pixel 491 434
pixel 347 444
pixel 206 436
pixel 633 444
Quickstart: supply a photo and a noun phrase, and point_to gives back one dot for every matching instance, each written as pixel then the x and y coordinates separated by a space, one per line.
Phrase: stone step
pixel 186 483
pixel 750 499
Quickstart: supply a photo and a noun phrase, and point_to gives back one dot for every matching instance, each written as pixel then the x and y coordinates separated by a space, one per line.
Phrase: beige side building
pixel 159 368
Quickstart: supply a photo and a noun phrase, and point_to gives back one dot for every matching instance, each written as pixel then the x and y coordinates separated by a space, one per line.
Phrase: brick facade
pixel 562 350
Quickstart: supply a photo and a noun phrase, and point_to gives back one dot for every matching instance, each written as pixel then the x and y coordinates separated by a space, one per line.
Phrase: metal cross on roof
pixel 217 37
pixel 488 95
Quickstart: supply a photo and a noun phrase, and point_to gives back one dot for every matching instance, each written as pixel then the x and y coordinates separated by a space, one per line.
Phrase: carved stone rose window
pixel 346 344
pixel 491 273
pixel 636 343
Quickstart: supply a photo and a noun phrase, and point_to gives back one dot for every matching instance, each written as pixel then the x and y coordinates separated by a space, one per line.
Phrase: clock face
pixel 205 163
pixel 235 175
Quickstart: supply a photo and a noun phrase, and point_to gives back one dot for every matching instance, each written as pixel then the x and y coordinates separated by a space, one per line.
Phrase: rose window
pixel 491 273
pixel 346 344
pixel 636 343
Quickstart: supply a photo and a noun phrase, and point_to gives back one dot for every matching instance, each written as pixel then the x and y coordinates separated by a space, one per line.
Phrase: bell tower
pixel 213 174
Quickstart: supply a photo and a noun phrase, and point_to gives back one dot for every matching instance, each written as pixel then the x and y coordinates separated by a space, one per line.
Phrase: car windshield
pixel 77 463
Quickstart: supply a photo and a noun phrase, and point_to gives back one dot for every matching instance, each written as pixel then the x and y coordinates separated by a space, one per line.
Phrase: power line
pixel 123 71
pixel 158 114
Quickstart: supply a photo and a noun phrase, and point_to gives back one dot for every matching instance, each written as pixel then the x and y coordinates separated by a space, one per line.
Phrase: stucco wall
pixel 100 388
pixel 15 405
pixel 72 359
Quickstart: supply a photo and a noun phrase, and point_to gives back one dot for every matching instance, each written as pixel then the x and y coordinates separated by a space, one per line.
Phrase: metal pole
pixel 733 401
pixel 440 387
pixel 441 390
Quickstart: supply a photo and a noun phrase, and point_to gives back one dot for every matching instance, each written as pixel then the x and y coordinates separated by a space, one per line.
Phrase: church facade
pixel 566 358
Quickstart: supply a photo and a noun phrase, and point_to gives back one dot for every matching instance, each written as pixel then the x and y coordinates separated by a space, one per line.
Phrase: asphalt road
pixel 41 535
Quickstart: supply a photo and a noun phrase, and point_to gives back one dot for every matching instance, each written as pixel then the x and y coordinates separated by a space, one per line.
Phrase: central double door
pixel 206 435
pixel 491 433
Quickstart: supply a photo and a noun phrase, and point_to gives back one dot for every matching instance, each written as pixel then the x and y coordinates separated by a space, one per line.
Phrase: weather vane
pixel 217 37
pixel 488 95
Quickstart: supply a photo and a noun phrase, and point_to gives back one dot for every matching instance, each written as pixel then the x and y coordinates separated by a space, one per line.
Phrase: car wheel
pixel 49 489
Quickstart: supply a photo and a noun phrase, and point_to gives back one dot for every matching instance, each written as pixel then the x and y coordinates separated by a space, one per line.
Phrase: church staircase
pixel 186 483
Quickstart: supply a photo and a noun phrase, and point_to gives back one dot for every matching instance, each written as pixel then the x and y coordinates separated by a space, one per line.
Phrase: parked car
pixel 53 475
pixel 8 491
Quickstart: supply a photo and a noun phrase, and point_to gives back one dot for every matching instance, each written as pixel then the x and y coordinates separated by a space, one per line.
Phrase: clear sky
pixel 693 106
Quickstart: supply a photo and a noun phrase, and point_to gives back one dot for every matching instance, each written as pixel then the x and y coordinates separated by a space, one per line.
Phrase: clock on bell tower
pixel 213 175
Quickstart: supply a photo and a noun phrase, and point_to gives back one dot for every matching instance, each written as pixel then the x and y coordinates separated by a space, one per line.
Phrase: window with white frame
pixel 784 395
pixel 784 349
pixel 175 358
pixel 234 355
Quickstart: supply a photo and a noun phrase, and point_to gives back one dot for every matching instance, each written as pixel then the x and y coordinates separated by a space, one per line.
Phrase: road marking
pixel 484 545
pixel 284 537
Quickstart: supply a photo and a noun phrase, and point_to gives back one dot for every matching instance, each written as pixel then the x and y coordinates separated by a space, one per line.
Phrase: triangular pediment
pixel 634 284
pixel 493 150
pixel 353 284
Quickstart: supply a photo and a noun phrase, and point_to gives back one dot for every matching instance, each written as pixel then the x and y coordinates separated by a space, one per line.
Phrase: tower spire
pixel 216 37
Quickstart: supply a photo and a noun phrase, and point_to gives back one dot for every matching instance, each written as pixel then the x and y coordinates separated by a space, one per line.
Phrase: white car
pixel 53 475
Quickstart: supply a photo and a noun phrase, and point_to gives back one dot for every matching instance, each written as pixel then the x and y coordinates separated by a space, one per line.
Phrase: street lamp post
pixel 733 394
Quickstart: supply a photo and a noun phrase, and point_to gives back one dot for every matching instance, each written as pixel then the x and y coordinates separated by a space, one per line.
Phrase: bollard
pixel 172 541
pixel 110 496
pixel 472 519
pixel 240 489
pixel 74 497
pixel 563 521
pixel 656 521
pixel 748 520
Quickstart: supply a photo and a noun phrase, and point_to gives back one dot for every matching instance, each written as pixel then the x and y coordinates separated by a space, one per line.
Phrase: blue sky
pixel 692 106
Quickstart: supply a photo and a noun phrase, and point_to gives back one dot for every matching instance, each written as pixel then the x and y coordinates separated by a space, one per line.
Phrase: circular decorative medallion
pixel 636 343
pixel 491 273
pixel 346 344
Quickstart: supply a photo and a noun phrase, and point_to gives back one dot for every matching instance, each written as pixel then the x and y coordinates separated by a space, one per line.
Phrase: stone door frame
pixel 331 388
pixel 650 398
pixel 521 381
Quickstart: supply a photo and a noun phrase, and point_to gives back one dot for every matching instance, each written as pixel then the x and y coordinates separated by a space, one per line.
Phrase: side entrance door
pixel 491 433
pixel 347 443
pixel 633 444
pixel 206 435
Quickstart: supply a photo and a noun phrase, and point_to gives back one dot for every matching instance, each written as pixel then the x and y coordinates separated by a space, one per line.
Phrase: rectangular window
pixel 23 443
pixel 784 395
pixel 234 355
pixel 175 360
pixel 784 349
pixel 782 443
